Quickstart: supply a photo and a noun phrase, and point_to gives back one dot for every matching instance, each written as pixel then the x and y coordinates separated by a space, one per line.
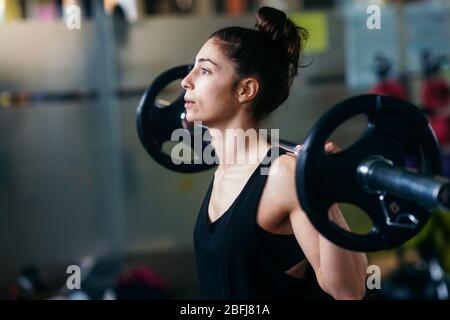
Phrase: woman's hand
pixel 330 147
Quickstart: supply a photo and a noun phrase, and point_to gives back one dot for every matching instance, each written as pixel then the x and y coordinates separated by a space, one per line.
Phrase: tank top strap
pixel 260 180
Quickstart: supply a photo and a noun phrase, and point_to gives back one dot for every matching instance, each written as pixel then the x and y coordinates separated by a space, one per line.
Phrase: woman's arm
pixel 343 272
pixel 340 272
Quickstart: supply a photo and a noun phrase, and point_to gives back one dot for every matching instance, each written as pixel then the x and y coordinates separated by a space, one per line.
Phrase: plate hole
pixel 356 218
pixel 349 132
pixel 169 94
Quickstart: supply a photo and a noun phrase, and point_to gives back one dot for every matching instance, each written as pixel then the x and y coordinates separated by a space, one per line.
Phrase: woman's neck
pixel 238 143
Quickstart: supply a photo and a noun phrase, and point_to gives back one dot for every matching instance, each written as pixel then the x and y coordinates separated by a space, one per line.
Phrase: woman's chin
pixel 192 117
pixel 196 117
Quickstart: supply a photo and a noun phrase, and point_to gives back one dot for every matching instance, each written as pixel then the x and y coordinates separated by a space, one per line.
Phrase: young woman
pixel 252 239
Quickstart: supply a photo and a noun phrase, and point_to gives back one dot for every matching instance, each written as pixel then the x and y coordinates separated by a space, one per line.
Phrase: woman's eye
pixel 204 71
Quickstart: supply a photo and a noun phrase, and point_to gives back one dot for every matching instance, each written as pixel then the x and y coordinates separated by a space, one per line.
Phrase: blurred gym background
pixel 78 188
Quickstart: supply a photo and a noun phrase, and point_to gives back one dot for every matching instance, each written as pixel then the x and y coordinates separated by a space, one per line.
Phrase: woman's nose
pixel 186 82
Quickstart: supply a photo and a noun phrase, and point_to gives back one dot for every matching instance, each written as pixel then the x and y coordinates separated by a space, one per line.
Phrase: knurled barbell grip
pixel 377 174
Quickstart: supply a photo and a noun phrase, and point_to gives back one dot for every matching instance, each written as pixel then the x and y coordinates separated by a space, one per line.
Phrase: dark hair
pixel 270 52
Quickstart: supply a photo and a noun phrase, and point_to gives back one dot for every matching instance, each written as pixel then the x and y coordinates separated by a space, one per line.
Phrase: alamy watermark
pixel 373 22
pixel 73 17
pixel 373 280
pixel 73 282
pixel 233 144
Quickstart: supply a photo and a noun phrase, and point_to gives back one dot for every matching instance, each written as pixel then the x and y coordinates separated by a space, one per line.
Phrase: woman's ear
pixel 248 89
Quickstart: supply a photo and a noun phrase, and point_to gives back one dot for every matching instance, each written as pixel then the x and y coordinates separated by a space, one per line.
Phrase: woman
pixel 252 239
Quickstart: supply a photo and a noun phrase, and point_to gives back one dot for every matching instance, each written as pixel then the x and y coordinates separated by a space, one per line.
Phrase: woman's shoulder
pixel 283 167
pixel 281 180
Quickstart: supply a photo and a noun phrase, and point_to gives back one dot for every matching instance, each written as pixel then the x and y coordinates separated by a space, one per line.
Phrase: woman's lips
pixel 188 104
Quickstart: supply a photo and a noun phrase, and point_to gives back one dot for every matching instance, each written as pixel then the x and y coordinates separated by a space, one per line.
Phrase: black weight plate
pixel 398 131
pixel 156 124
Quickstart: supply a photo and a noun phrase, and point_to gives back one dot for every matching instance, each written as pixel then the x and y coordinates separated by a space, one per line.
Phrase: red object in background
pixel 390 88
pixel 236 7
pixel 145 275
pixel 435 97
pixel 13 292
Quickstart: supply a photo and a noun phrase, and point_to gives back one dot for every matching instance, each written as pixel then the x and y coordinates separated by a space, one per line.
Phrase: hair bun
pixel 283 30
pixel 272 22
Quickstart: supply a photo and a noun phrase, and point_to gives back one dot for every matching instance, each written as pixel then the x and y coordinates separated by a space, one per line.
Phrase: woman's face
pixel 209 87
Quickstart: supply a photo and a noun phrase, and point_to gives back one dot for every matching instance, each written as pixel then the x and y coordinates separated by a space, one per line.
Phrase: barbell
pixel 371 174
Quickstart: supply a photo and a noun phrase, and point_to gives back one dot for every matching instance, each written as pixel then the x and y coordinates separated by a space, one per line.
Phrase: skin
pixel 340 273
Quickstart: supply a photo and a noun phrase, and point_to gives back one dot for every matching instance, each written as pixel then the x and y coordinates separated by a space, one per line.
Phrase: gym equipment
pixel 156 121
pixel 370 174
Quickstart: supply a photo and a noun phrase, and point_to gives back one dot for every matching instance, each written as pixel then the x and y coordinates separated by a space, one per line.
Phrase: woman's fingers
pixel 330 147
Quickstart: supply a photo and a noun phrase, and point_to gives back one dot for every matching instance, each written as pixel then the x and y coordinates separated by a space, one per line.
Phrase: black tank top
pixel 238 259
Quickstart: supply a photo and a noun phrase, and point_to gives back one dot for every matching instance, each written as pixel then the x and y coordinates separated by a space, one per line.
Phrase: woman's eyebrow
pixel 207 60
